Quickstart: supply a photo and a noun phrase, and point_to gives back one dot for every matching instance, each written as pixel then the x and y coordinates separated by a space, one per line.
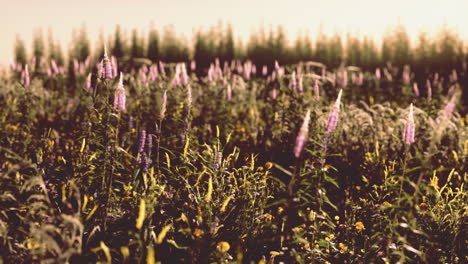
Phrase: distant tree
pixel 321 49
pixel 118 48
pixel 402 49
pixel 447 47
pixel 387 49
pixel 422 54
pixel 280 46
pixel 81 48
pixel 137 50
pixel 153 45
pixel 203 53
pixel 99 52
pixel 370 55
pixel 38 48
pixel 55 50
pixel 226 45
pixel 353 51
pixel 20 51
pixel 173 49
pixel 335 51
pixel 308 52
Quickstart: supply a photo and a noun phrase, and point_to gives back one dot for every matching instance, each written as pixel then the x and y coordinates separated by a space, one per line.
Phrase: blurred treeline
pixel 441 53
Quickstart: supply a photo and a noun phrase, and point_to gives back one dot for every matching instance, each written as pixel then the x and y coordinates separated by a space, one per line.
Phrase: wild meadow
pixel 121 159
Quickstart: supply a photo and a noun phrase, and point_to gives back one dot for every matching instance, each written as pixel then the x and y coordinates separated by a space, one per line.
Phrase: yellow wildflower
pixel 359 226
pixel 387 204
pixel 423 206
pixel 343 248
pixel 223 246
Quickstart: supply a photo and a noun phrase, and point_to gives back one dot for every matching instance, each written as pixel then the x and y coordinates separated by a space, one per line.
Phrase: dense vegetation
pixel 224 162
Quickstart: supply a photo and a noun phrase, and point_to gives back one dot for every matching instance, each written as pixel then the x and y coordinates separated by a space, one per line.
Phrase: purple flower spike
pixel 163 105
pixel 119 96
pixel 183 75
pixel 264 70
pixel 333 116
pixel 107 66
pixel 293 82
pixel 115 69
pixel 193 65
pixel 189 96
pixel 88 82
pixel 149 144
pixel 416 89
pixel 26 78
pixel 377 73
pixel 429 90
pixel 450 107
pixel 302 136
pixel 141 141
pixel 408 133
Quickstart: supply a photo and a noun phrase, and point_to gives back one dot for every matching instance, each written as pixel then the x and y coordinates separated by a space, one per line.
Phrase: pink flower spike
pixel 333 116
pixel 408 133
pixel 26 79
pixel 302 136
pixel 293 82
pixel 264 70
pixel 338 100
pixel 119 96
pixel 416 89
pixel 193 65
pixel 88 82
pixel 229 93
pixel 163 105
pixel 107 66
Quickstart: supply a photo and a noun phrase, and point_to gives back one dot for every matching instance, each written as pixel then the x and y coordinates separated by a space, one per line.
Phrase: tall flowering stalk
pixel 377 74
pixel 331 124
pixel 302 136
pixel 88 82
pixel 106 73
pixel 25 75
pixel 183 75
pixel 189 96
pixel 229 93
pixel 408 138
pixel 448 109
pixel 293 82
pixel 429 90
pixel 193 66
pixel 408 133
pixel 333 116
pixel 415 89
pixel 159 129
pixel 163 105
pixel 141 141
pixel 114 67
pixel 264 70
pixel 119 96
pixel 149 145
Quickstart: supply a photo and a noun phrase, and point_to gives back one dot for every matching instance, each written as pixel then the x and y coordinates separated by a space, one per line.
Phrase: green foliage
pixel 220 182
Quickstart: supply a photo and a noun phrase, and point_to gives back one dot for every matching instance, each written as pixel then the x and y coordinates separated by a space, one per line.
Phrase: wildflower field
pixel 237 162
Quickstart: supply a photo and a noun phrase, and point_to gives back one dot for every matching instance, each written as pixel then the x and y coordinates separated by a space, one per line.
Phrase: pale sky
pixel 370 17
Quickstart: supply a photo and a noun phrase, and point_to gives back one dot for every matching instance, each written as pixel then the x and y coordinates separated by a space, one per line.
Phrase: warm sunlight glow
pixel 363 17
